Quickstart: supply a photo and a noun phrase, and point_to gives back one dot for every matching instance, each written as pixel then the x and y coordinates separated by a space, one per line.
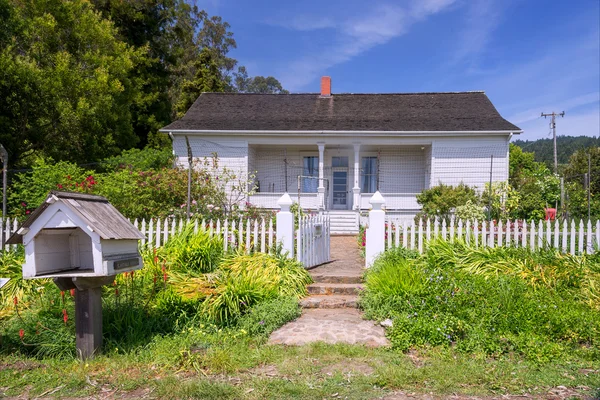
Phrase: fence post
pixel 375 234
pixel 285 225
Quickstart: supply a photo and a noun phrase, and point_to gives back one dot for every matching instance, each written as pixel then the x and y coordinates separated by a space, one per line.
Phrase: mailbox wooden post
pixel 82 242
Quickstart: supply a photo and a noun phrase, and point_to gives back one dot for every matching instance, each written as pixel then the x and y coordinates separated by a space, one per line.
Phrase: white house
pixel 333 151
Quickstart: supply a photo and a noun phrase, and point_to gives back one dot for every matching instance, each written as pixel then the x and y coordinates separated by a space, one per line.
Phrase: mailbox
pixel 76 235
pixel 82 242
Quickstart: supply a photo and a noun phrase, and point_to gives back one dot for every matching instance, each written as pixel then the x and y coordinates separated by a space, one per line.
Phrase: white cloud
pixel 307 23
pixel 357 35
pixel 584 123
pixel 566 105
pixel 483 17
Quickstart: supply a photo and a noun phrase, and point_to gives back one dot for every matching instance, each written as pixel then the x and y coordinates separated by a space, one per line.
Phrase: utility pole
pixel 553 125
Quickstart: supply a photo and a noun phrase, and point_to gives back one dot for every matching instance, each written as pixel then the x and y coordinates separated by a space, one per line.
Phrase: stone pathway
pixel 330 326
pixel 330 312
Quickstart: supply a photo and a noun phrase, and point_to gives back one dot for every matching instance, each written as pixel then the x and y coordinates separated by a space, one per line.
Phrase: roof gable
pixel 408 112
pixel 95 211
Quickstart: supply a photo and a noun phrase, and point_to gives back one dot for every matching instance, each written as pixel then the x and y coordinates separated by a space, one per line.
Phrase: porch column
pixel 321 188
pixel 356 188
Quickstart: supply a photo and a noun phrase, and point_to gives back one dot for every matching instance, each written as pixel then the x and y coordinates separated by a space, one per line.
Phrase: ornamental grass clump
pixel 497 301
pixel 244 280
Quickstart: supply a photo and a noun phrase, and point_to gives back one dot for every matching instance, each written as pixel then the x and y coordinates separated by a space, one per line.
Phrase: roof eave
pixel 335 132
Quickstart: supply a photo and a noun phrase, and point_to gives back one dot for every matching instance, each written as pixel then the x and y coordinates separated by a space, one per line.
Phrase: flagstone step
pixel 330 301
pixel 339 278
pixel 334 288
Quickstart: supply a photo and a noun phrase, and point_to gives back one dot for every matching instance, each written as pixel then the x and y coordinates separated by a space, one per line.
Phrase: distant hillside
pixel 566 145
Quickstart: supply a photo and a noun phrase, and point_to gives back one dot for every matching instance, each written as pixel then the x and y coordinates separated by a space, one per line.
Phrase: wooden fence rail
pixel 567 237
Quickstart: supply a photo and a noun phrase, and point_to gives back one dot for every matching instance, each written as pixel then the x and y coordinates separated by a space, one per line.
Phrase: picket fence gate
pixel 312 240
pixel 564 236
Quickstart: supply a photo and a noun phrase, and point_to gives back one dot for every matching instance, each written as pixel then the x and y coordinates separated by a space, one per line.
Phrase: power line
pixel 553 127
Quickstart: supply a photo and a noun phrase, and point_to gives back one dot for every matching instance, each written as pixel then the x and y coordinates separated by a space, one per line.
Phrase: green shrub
pixel 440 200
pixel 393 274
pixel 194 252
pixel 496 301
pixel 265 317
pixel 142 160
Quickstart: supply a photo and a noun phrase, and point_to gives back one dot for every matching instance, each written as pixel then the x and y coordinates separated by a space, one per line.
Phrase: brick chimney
pixel 326 86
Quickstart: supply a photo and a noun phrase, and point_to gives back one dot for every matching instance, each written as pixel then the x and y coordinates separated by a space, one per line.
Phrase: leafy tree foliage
pixel 577 201
pixel 257 84
pixel 208 78
pixel 82 80
pixel 543 149
pixel 535 185
pixel 64 81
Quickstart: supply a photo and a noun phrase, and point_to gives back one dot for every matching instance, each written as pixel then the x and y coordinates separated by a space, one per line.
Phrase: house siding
pixel 456 160
pixel 231 154
pixel 403 170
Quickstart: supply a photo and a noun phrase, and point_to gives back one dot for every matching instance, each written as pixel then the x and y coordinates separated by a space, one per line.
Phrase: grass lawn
pixel 248 368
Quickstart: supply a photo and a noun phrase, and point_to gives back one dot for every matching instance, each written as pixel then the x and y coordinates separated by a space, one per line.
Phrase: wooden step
pixel 334 288
pixel 330 301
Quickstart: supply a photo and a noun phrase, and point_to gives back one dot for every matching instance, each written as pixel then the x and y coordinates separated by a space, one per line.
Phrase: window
pixel 368 175
pixel 310 175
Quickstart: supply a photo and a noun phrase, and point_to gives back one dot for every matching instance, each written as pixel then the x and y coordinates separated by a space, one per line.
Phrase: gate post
pixel 375 234
pixel 285 224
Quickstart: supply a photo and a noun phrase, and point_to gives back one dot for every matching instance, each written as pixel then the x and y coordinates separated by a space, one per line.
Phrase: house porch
pixel 340 177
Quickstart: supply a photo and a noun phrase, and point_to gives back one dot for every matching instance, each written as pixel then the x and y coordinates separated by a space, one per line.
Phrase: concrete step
pixel 323 278
pixel 330 301
pixel 334 288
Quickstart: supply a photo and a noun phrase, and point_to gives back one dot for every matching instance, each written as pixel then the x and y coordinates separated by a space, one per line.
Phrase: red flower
pixel 117 292
pixel 27 212
pixel 62 294
pixel 72 292
pixel 65 316
pixel 21 334
pixel 16 301
pixel 59 186
pixel 165 277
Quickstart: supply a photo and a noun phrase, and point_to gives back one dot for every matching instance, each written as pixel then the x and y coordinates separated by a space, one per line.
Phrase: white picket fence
pixel 568 237
pixel 9 227
pixel 243 234
pixel 312 240
pixel 248 235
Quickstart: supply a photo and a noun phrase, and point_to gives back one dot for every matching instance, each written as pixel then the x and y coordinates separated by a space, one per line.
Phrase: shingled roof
pixel 461 111
pixel 94 210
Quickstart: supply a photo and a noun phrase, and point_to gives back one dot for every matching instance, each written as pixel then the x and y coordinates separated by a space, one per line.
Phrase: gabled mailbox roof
pixel 94 210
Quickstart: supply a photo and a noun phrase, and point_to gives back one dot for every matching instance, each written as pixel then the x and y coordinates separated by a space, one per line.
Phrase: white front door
pixel 339 188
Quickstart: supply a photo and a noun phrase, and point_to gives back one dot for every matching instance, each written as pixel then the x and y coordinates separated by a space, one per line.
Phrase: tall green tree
pixel 257 84
pixel 65 82
pixel 208 78
pixel 175 34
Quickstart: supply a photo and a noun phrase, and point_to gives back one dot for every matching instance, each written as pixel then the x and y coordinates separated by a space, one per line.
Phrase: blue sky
pixel 529 56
